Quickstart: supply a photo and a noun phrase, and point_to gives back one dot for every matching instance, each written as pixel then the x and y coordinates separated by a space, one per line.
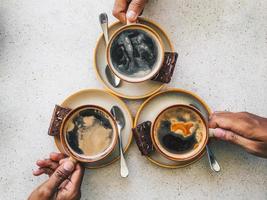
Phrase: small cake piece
pixel 58 115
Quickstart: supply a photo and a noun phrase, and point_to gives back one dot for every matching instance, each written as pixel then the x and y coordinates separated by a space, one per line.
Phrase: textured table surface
pixel 46 53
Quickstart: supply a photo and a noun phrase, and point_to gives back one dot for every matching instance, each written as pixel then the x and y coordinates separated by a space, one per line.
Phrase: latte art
pixel 89 132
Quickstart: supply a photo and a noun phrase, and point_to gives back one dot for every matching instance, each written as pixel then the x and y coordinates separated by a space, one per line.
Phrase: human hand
pixel 64 182
pixel 128 10
pixel 244 129
pixel 48 166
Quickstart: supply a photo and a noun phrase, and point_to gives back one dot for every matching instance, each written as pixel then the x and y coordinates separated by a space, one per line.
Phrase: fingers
pixel 119 10
pixel 239 123
pixel 242 128
pixel 134 9
pixel 77 177
pixel 249 145
pixel 219 119
pixel 57 156
pixel 38 172
pixel 46 166
pixel 47 163
pixel 63 184
pixel 130 12
pixel 63 160
pixel 60 175
pixel 48 189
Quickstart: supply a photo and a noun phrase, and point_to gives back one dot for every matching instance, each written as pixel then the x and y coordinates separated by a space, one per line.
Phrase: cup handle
pixel 211 132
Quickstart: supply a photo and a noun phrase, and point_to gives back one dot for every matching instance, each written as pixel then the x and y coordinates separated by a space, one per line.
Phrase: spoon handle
pixel 214 165
pixel 124 168
pixel 103 19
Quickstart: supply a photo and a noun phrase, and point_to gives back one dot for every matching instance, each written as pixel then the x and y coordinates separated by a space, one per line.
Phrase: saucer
pixel 150 109
pixel 126 89
pixel 105 100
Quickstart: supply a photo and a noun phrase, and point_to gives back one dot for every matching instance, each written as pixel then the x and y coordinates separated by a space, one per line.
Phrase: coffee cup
pixel 180 132
pixel 88 133
pixel 135 53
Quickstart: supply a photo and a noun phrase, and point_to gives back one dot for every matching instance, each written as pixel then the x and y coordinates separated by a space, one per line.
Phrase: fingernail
pixel 36 171
pixel 39 162
pixel 219 133
pixel 131 15
pixel 53 154
pixel 68 166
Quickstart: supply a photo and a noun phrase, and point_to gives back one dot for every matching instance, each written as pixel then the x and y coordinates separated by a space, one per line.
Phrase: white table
pixel 46 53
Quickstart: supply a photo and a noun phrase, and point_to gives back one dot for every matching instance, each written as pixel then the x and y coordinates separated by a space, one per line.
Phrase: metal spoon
pixel 119 118
pixel 214 165
pixel 112 78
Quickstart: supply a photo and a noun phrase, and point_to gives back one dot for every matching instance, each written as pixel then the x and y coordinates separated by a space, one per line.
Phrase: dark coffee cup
pixel 135 53
pixel 180 132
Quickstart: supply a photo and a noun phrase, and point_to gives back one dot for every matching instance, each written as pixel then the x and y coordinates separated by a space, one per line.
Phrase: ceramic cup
pixel 135 53
pixel 88 133
pixel 180 132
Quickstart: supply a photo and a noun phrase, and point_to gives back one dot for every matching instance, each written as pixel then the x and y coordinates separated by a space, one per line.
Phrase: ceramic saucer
pixel 128 90
pixel 155 104
pixel 105 100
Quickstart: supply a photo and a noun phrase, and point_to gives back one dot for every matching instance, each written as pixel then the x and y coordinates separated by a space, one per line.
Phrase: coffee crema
pixel 133 53
pixel 89 132
pixel 179 130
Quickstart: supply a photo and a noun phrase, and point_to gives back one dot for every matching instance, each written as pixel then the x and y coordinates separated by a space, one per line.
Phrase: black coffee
pixel 89 132
pixel 179 130
pixel 133 53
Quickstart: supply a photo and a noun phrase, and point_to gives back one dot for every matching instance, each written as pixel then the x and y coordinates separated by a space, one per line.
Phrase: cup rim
pixel 182 158
pixel 155 36
pixel 76 156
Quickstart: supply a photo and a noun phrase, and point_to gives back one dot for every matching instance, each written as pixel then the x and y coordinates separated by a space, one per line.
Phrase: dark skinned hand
pixel 65 179
pixel 128 10
pixel 244 129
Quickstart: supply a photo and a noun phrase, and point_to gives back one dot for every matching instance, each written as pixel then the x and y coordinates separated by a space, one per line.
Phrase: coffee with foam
pixel 134 53
pixel 179 130
pixel 89 132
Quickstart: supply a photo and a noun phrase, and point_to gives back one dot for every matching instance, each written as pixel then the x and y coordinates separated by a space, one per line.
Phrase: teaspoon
pixel 112 78
pixel 120 121
pixel 214 165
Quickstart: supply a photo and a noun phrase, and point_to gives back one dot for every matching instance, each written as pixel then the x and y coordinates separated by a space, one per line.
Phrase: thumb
pixel 226 135
pixel 60 175
pixel 234 138
pixel 134 9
